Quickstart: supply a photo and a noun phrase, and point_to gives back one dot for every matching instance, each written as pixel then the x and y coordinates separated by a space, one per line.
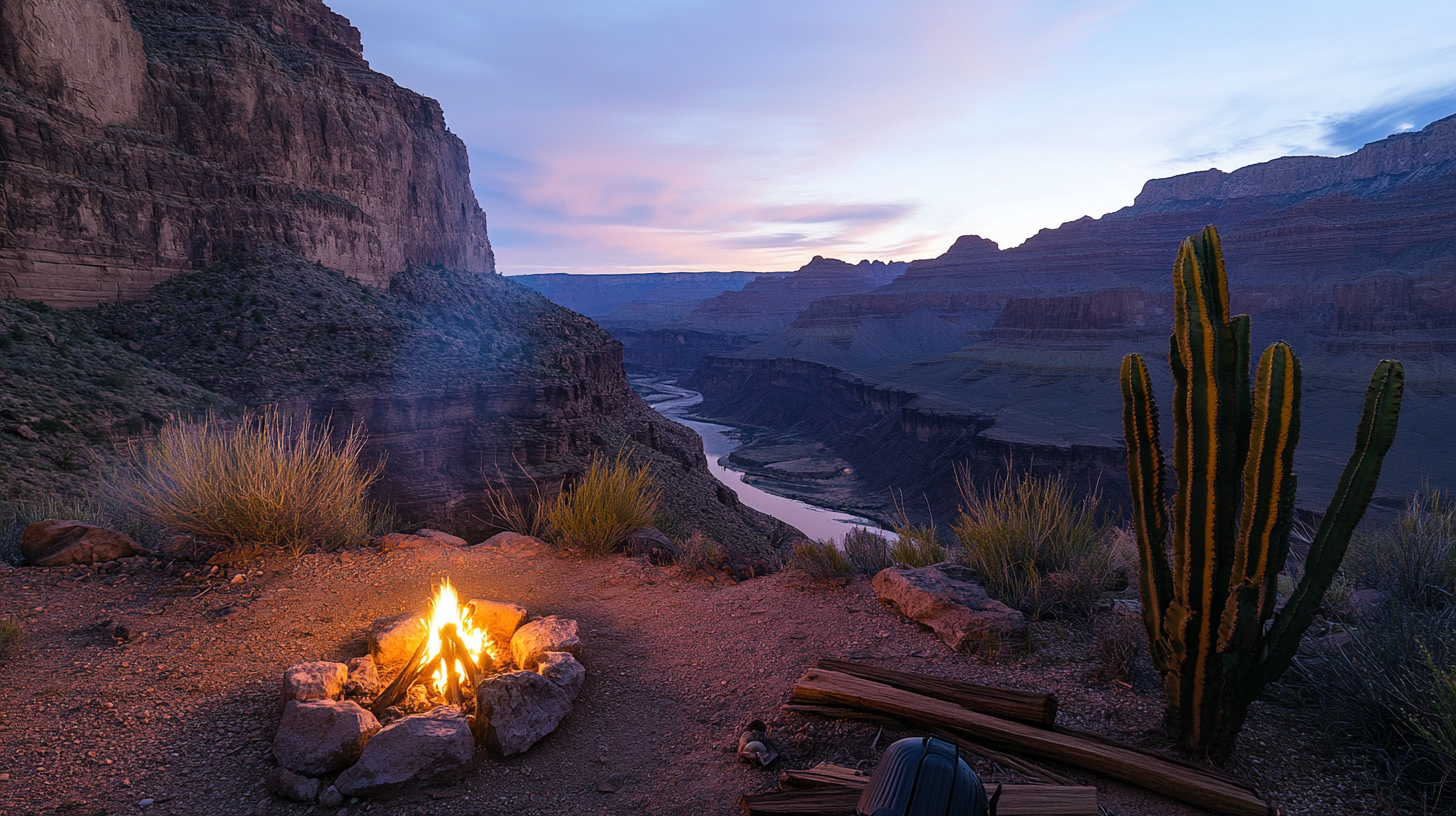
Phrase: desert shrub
pixel 513 511
pixel 255 481
pixel 613 499
pixel 1120 638
pixel 1393 684
pixel 821 561
pixel 918 544
pixel 1035 546
pixel 868 552
pixel 699 553
pixel 11 636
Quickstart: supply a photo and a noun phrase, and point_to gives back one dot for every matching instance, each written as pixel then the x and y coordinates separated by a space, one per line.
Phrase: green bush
pixel 868 552
pixel 821 561
pixel 257 481
pixel 613 499
pixel 1035 546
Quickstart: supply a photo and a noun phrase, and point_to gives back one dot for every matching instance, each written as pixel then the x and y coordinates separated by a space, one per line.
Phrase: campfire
pixel 450 662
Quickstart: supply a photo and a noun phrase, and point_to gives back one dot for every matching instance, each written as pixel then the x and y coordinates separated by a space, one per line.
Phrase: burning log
pixel 1179 781
pixel 1022 706
pixel 395 691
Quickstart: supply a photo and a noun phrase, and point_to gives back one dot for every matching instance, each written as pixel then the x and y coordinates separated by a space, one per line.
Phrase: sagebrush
pixel 867 551
pixel 1036 546
pixel 260 480
pixel 613 499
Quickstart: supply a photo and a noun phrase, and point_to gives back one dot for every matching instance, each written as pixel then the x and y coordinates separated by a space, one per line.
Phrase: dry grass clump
pixel 257 481
pixel 613 499
pixel 868 552
pixel 699 554
pixel 514 513
pixel 11 636
pixel 919 545
pixel 1035 546
pixel 821 561
pixel 1120 638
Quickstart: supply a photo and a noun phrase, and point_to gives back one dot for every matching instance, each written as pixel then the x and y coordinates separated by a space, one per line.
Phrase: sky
pixel 693 135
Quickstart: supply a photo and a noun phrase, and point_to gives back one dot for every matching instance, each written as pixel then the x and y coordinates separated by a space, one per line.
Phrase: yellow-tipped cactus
pixel 1208 612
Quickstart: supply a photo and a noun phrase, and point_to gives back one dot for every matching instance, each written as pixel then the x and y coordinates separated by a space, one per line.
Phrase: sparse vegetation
pixel 1393 684
pixel 11 636
pixel 513 512
pixel 1035 545
pixel 821 561
pixel 1120 639
pixel 868 552
pixel 613 499
pixel 919 544
pixel 259 480
pixel 700 554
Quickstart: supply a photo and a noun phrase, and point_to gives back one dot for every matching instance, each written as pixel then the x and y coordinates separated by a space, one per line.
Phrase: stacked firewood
pixel 996 724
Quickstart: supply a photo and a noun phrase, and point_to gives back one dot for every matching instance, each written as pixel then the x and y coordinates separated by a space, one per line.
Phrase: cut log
pixel 823 776
pixel 1014 763
pixel 1016 800
pixel 1022 706
pixel 820 687
pixel 846 714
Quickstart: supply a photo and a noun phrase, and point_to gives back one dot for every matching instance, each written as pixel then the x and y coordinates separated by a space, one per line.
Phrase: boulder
pixel 518 709
pixel 393 640
pixel 947 598
pixel 652 544
pixel 498 618
pixel 320 736
pixel 55 543
pixel 442 537
pixel 289 785
pixel 319 680
pixel 515 544
pixel 406 541
pixel 551 634
pixel 421 749
pixel 363 677
pixel 563 670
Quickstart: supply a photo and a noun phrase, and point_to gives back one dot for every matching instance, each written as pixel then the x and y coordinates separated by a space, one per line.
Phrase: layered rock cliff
pixel 261 215
pixel 142 138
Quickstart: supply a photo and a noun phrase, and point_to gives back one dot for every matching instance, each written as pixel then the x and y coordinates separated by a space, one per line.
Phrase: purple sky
pixel 665 135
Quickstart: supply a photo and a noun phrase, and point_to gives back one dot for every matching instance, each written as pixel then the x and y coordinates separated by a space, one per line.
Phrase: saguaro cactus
pixel 1208 613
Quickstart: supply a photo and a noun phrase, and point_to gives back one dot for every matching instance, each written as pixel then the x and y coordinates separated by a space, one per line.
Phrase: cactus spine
pixel 1207 613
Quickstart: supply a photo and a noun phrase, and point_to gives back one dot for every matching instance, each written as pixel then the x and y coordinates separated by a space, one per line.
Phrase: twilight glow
pixel 666 135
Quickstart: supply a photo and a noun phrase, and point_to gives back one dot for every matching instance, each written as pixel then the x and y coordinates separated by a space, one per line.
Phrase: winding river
pixel 816 522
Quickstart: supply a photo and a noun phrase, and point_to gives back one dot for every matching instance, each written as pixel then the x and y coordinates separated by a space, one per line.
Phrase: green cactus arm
pixel 1148 482
pixel 1268 498
pixel 1373 438
pixel 1239 325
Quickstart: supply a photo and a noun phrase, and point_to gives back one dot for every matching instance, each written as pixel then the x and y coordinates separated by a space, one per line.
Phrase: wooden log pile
pixel 997 724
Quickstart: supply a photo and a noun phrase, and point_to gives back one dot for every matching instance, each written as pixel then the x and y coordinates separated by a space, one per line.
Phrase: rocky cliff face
pixel 141 138
pixel 260 214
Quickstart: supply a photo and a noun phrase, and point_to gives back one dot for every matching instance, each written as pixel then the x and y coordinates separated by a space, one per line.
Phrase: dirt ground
pixel 183 713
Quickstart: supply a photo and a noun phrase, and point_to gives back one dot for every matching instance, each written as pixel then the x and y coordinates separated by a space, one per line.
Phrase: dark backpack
pixel 924 777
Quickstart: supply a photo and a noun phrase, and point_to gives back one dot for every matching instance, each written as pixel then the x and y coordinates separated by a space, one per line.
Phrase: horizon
pixel 657 136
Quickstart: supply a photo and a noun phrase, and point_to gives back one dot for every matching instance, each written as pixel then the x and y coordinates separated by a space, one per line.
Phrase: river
pixel 718 441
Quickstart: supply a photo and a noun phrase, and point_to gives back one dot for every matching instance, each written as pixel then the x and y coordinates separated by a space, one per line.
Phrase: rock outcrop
pixel 141 138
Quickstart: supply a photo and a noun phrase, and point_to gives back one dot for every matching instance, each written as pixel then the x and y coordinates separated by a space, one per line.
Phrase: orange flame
pixel 446 610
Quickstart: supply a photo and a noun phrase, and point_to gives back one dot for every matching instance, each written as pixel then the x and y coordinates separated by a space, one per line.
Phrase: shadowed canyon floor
pixel 184 713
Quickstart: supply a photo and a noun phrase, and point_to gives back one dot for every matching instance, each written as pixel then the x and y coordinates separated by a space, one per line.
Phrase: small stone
pixel 146 803
pixel 519 709
pixel 422 749
pixel 238 579
pixel 563 670
pixel 515 544
pixel 442 537
pixel 320 736
pixel 611 784
pixel 331 797
pixel 289 785
pixel 550 634
pixel 363 677
pixel 498 618
pixel 393 640
pixel 319 680
pixel 55 543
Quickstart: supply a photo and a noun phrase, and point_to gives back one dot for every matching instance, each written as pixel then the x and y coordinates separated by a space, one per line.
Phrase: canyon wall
pixel 142 138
